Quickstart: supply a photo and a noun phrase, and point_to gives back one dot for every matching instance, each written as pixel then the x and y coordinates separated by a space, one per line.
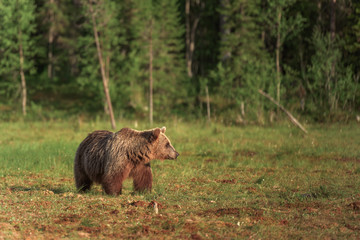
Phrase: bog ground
pixel 228 183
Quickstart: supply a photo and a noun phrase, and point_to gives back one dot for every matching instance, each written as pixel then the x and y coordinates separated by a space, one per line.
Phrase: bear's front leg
pixel 142 176
pixel 112 185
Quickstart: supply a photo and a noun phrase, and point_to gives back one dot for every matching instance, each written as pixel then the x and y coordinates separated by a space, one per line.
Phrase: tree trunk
pixel 242 106
pixel 150 75
pixel 208 103
pixel 278 46
pixel 332 97
pixel 319 6
pixel 190 38
pixel 50 41
pixel 224 30
pixel 102 68
pixel 291 117
pixel 188 60
pixel 22 75
pixel 107 68
pixel 333 20
pixel 107 71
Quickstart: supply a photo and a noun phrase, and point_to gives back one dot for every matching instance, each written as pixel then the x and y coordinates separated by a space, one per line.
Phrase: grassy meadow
pixel 228 183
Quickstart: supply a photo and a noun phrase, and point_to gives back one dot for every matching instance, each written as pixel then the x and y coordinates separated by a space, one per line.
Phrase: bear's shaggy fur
pixel 109 158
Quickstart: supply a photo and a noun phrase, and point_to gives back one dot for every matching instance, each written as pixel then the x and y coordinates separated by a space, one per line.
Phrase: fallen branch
pixel 292 118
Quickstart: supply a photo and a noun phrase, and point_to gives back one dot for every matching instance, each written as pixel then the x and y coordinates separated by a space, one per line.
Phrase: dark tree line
pixel 190 59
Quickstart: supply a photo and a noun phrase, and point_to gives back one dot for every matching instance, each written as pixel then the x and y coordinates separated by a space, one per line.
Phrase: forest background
pixel 190 59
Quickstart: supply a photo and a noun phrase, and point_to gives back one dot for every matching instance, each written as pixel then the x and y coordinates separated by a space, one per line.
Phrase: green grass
pixel 228 183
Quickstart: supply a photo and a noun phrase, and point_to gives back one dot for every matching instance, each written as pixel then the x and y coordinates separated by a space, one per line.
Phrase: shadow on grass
pixel 321 192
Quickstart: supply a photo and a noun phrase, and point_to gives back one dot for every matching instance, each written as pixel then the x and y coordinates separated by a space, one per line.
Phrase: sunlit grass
pixel 229 182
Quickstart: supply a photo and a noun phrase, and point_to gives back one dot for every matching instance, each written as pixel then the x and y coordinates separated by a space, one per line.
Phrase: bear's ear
pixel 156 133
pixel 163 129
pixel 151 135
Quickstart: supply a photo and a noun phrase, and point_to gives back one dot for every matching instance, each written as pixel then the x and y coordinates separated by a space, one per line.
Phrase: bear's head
pixel 162 148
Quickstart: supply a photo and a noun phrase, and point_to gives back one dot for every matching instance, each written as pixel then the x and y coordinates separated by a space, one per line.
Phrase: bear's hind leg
pixel 83 182
pixel 114 188
pixel 142 176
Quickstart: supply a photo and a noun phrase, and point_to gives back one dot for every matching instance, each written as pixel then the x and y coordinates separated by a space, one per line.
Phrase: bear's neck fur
pixel 137 145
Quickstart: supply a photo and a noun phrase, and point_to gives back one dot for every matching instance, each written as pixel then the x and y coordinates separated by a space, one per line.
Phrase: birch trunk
pixel 278 46
pixel 190 37
pixel 22 75
pixel 51 41
pixel 291 117
pixel 188 60
pixel 151 76
pixel 102 68
pixel 332 96
pixel 208 103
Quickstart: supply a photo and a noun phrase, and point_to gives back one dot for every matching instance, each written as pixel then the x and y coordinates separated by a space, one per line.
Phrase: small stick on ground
pixel 292 118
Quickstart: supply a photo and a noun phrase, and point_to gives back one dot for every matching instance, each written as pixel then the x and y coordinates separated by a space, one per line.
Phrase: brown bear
pixel 109 158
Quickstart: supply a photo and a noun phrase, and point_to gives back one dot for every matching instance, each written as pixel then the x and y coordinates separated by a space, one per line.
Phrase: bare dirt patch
pixel 65 219
pixel 244 153
pixel 227 211
pixel 144 204
pixel 236 212
pixel 355 206
pixel 347 159
pixel 230 181
pixel 139 204
pixel 222 211
pixel 212 160
pixel 7 231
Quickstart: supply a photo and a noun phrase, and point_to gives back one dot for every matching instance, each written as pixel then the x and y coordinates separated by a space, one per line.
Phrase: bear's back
pixel 97 139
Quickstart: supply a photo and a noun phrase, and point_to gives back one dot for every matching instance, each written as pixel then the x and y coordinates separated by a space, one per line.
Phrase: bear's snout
pixel 173 155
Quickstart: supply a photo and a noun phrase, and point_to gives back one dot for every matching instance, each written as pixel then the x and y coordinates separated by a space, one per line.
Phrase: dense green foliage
pixel 306 54
pixel 17 27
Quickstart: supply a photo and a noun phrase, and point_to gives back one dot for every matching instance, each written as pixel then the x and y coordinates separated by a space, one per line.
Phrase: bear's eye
pixel 167 145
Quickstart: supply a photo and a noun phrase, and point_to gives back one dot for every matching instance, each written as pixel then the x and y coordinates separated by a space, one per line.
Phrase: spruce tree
pixel 56 19
pixel 244 64
pixel 169 60
pixel 135 69
pixel 156 23
pixel 16 43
